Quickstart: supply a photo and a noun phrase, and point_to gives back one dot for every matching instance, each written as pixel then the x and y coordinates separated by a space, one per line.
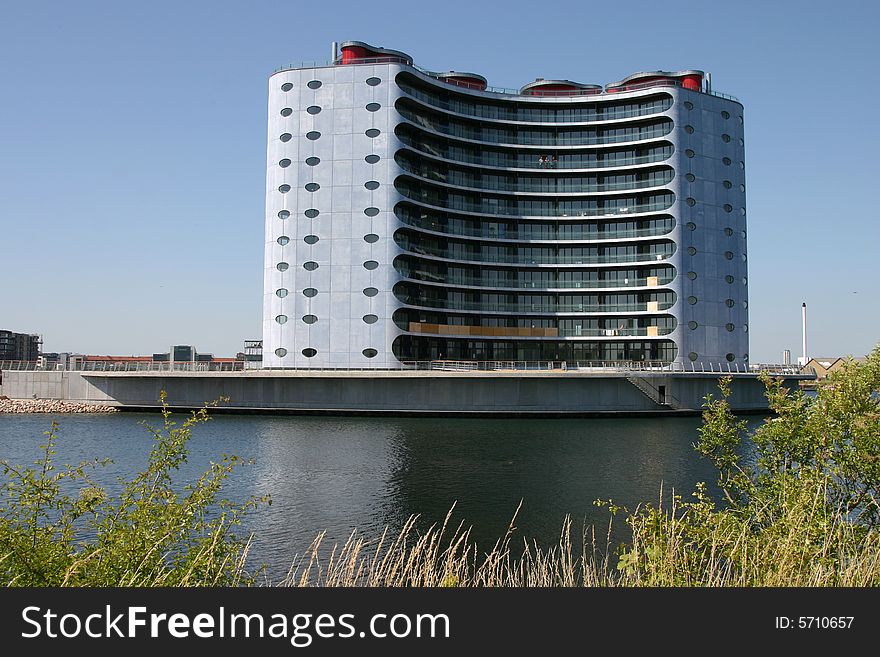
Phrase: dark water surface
pixel 338 474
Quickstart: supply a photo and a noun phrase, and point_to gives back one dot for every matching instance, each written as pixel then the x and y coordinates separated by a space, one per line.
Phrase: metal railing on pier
pixel 426 365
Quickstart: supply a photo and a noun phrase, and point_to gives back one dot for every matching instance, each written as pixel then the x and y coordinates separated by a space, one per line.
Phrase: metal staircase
pixel 656 393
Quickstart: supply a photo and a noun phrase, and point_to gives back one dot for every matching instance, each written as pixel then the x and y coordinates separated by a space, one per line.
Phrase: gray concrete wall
pixel 389 392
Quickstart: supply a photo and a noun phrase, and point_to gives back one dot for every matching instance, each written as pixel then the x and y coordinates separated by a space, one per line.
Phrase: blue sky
pixel 132 148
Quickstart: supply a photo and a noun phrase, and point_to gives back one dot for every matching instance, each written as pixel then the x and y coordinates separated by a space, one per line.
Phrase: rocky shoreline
pixel 52 406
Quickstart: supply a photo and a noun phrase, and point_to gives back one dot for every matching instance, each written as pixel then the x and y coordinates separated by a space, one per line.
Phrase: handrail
pixel 501 91
pixel 436 365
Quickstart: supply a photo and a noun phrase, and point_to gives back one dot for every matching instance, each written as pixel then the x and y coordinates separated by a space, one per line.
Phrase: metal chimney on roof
pixel 334 51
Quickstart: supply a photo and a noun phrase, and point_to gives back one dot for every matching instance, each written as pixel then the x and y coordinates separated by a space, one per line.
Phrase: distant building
pixel 19 346
pixel 825 366
pixel 252 354
pixel 183 353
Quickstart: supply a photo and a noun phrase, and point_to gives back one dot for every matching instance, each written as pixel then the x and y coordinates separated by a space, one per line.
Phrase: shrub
pixel 153 533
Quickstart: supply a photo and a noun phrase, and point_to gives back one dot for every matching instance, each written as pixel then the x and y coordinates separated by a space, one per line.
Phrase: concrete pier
pixel 400 392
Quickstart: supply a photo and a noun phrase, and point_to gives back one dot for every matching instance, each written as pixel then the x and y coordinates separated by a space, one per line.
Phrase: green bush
pixel 152 534
pixel 800 508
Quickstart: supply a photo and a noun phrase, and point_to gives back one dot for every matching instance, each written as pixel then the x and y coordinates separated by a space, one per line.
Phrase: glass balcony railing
pixel 542 284
pixel 506 207
pixel 536 258
pixel 557 186
pixel 535 138
pixel 536 332
pixel 524 308
pixel 522 233
pixel 599 112
pixel 530 161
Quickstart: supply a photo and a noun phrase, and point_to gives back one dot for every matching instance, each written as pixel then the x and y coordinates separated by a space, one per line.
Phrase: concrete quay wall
pixel 392 392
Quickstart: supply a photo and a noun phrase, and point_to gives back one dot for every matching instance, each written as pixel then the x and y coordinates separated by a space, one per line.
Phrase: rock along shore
pixel 52 406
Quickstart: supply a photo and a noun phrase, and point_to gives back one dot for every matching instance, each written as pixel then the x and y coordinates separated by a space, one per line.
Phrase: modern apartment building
pixel 413 215
pixel 19 346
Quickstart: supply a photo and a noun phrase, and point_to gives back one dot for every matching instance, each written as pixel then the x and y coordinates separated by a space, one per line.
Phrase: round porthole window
pixel 728 255
pixel 371 319
pixel 728 207
pixel 729 279
pixel 730 358
pixel 692 275
pixel 287 86
pixel 284 240
pixel 727 184
pixel 312 135
pixel 371 238
pixel 371 185
pixel 372 159
pixel 310 319
pixel 281 352
pixel 310 265
pixel 313 109
pixel 692 301
pixel 373 81
pixel 691 225
pixel 725 114
pixel 373 107
pixel 371 264
pixel 689 129
pixel 691 201
pixel 370 353
pixel 308 352
pixel 690 177
pixel 372 133
pixel 692 250
pixel 310 239
pixel 286 111
pixel 310 292
pixel 313 161
pixel 692 325
pixel 286 137
pixel 725 138
pixel 311 213
pixel 314 84
pixel 693 356
pixel 370 291
pixel 726 161
pixel 730 303
pixel 312 187
pixel 284 214
pixel 728 231
pixel 688 105
pixel 284 189
pixel 689 152
pixel 371 212
pixel 281 292
pixel 284 163
pixel 729 327
pixel 281 319
pixel 282 266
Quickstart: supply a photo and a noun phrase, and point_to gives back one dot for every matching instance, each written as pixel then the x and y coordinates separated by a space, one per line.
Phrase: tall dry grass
pixel 667 549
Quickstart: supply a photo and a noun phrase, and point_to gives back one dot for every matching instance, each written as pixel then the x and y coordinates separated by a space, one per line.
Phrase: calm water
pixel 338 474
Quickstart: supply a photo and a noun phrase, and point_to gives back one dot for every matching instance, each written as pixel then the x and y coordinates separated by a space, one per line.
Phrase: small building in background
pixel 823 366
pixel 20 346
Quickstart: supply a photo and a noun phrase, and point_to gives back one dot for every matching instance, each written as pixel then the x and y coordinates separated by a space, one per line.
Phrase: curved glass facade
pixel 502 264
